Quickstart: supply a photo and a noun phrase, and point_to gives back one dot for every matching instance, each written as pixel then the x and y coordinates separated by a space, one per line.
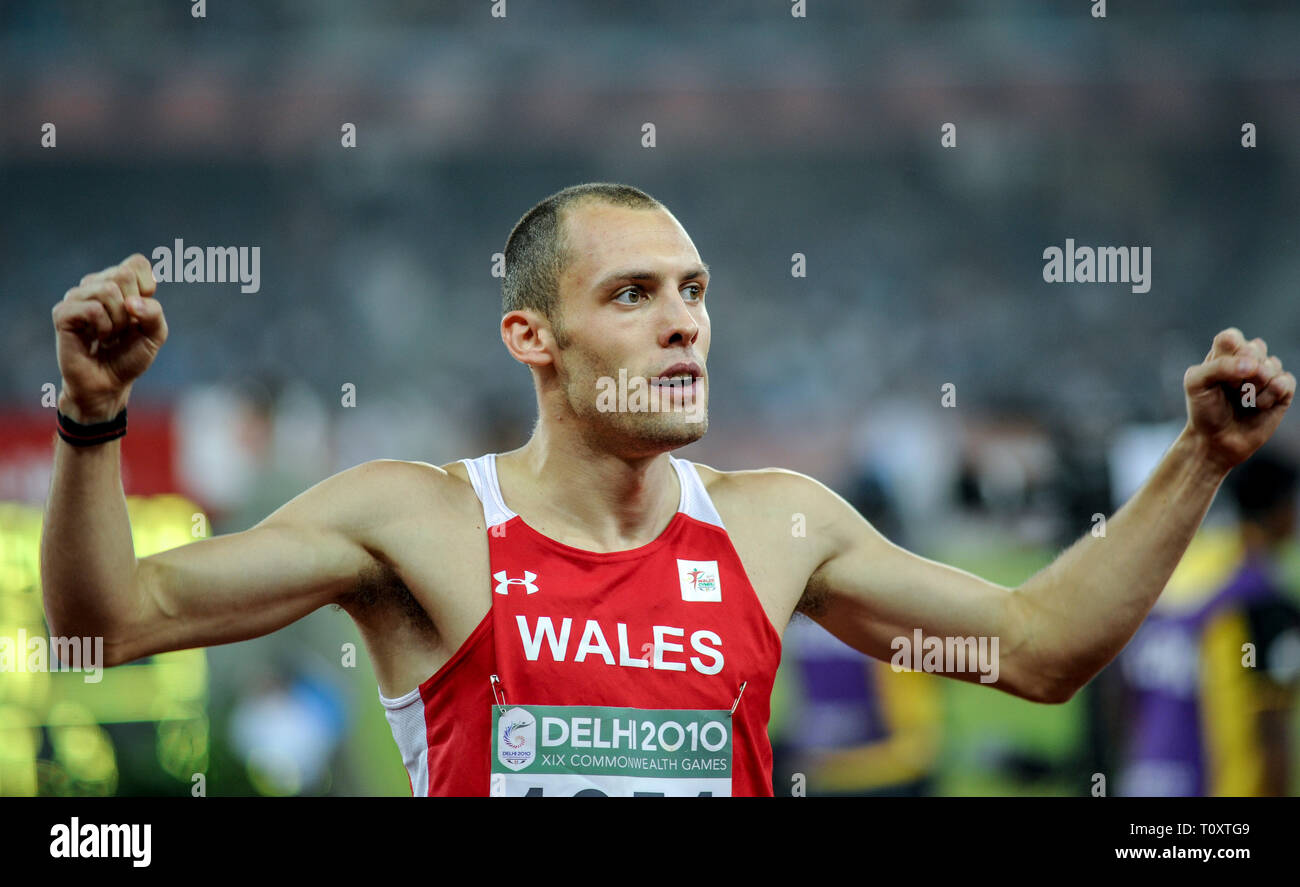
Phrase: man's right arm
pixel 230 588
pixel 308 553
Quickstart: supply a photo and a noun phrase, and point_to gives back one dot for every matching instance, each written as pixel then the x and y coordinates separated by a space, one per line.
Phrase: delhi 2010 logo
pixel 516 739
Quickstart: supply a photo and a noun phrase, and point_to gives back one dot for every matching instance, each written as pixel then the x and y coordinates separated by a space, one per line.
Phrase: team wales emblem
pixel 516 739
pixel 699 580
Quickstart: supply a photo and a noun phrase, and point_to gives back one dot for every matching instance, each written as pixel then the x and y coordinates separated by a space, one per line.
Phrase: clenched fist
pixel 1236 397
pixel 108 330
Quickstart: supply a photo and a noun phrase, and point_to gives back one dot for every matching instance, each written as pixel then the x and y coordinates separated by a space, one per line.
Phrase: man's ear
pixel 528 337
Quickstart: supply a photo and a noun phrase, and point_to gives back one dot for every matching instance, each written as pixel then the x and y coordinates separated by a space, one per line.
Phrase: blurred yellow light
pixel 170 688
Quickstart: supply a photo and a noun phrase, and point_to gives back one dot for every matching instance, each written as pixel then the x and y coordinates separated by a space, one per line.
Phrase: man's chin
pixel 659 433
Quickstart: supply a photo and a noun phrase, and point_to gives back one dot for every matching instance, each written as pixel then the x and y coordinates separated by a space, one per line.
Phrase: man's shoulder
pixel 402 487
pixel 406 472
pixel 761 486
pixel 783 524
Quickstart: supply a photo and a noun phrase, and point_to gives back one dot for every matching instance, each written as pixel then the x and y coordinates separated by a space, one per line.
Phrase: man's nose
pixel 680 323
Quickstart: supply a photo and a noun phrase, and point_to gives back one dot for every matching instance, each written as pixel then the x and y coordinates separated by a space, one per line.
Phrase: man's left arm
pixel 1060 627
pixel 1085 606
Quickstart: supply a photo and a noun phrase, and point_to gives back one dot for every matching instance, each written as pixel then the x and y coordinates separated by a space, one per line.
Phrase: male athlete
pixel 587 614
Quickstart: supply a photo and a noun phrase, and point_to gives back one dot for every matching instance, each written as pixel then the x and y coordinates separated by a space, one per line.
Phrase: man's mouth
pixel 680 375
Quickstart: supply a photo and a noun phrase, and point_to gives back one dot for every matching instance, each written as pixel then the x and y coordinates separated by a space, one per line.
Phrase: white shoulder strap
pixel 695 499
pixel 483 475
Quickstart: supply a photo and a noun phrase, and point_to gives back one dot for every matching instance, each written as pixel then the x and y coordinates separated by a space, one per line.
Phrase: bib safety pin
pixel 738 695
pixel 499 697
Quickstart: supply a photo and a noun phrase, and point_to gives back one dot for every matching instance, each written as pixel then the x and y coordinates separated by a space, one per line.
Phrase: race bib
pixel 598 751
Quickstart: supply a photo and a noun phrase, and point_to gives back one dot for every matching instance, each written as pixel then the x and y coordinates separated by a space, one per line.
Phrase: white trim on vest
pixel 483 475
pixel 695 499
pixel 410 732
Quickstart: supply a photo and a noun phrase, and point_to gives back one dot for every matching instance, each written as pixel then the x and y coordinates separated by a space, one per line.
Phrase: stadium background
pixel 775 135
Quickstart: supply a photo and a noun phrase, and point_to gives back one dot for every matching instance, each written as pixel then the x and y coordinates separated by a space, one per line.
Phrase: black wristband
pixel 88 435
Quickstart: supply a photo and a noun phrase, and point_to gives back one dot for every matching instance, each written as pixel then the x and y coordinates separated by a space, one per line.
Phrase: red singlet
pixel 616 672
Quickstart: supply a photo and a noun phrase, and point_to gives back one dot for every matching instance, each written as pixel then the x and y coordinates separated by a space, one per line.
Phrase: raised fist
pixel 1237 396
pixel 108 329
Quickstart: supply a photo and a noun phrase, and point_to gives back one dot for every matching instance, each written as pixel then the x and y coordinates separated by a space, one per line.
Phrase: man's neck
pixel 589 498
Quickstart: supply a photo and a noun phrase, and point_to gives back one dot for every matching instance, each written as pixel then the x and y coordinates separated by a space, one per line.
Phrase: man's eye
pixel 697 294
pixel 634 291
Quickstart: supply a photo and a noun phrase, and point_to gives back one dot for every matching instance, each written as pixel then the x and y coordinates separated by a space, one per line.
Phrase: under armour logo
pixel 504 583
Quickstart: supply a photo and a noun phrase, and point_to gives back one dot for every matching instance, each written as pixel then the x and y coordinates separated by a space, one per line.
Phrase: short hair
pixel 1262 484
pixel 535 250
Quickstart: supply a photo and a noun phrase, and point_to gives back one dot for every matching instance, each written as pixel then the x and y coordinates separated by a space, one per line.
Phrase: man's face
pixel 636 333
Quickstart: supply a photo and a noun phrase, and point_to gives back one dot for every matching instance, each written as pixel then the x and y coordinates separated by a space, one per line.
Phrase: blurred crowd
pixel 779 143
